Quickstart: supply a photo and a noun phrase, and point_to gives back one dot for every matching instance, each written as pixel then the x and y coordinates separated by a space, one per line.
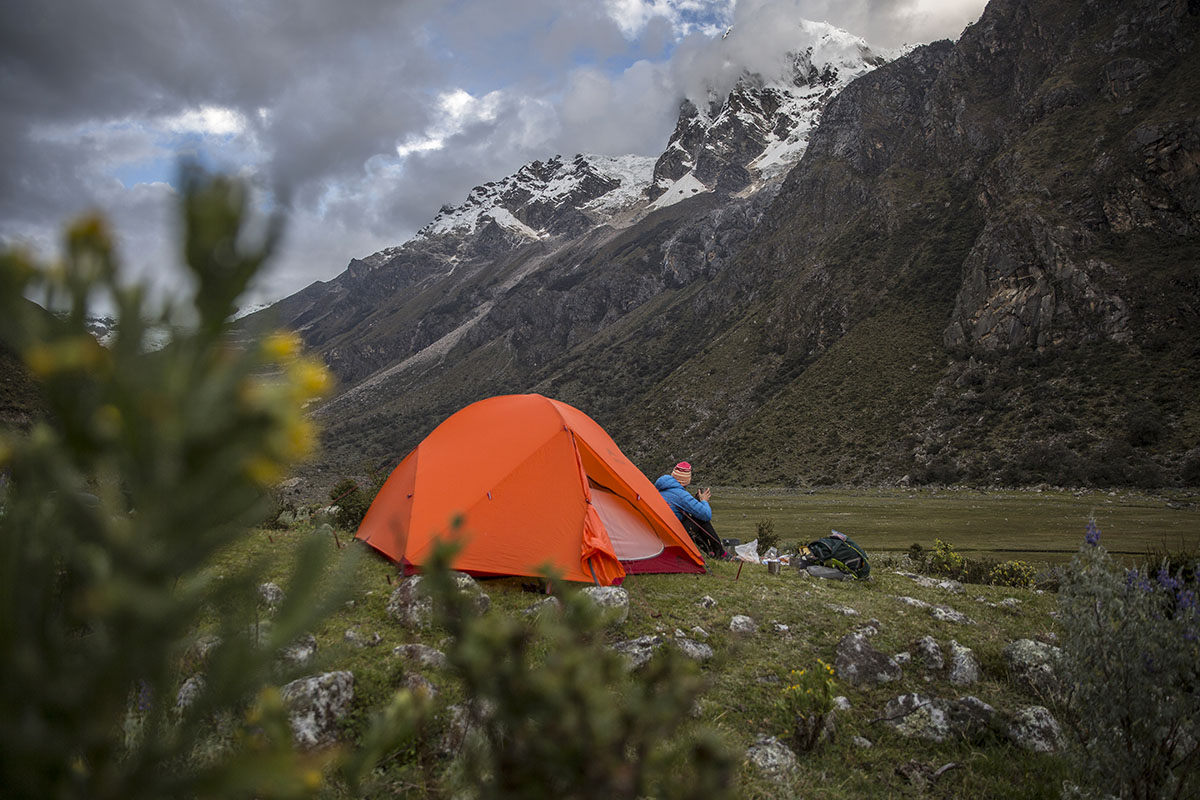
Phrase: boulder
pixel 316 705
pixel 773 758
pixel 930 653
pixel 410 606
pixel 1032 665
pixel 613 602
pixel 936 719
pixel 743 625
pixel 1035 729
pixel 964 666
pixel 861 664
pixel 421 655
pixel 639 651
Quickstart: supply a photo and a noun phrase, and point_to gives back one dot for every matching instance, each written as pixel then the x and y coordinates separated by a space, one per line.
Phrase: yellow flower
pixel 281 346
pixel 312 780
pixel 310 377
pixel 263 471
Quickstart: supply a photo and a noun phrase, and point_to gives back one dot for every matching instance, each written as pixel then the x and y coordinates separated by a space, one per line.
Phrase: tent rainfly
pixel 525 483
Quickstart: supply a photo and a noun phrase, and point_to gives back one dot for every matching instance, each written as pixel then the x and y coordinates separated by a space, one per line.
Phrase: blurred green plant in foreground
pixel 148 464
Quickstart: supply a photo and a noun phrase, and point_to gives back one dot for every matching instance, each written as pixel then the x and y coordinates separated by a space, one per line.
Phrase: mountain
pixel 983 266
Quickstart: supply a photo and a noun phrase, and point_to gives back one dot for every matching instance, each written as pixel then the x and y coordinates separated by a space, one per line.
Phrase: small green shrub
pixel 977 570
pixel 918 555
pixel 1016 574
pixel 945 560
pixel 1131 653
pixel 558 713
pixel 767 537
pixel 807 701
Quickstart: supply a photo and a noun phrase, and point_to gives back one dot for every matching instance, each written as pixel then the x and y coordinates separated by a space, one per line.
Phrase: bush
pixel 944 560
pixel 1131 655
pixel 1016 574
pixel 767 537
pixel 107 601
pixel 558 713
pixel 807 700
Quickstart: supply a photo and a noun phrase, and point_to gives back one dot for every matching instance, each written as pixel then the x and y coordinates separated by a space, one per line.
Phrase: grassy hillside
pixel 796 626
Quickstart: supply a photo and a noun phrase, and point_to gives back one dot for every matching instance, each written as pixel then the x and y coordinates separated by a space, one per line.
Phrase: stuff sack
pixel 839 551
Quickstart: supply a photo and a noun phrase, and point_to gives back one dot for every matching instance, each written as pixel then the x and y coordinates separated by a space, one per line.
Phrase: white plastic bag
pixel 747 552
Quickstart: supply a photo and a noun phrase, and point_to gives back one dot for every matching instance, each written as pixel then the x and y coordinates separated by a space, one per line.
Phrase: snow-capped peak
pixel 529 201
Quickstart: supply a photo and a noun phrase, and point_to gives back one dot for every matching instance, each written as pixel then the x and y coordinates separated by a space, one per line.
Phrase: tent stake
pixel 740 565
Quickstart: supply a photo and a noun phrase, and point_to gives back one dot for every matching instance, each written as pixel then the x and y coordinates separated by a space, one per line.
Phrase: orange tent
pixel 536 482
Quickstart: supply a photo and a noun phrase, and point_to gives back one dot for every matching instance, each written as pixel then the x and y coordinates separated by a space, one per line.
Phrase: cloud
pixel 360 118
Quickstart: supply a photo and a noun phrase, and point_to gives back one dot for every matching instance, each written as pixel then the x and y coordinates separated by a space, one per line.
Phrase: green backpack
pixel 838 550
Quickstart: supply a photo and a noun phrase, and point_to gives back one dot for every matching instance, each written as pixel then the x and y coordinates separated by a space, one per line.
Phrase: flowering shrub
pixel 945 560
pixel 807 702
pixel 1013 573
pixel 1131 660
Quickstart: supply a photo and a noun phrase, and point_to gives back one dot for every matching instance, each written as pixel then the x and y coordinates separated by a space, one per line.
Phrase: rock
pixel 639 651
pixel 861 664
pixel 902 658
pixel 776 761
pixel 948 614
pixel 964 666
pixel 706 602
pixel 841 703
pixel 919 717
pixel 930 654
pixel 1035 729
pixel 743 625
pixel 779 627
pixel 954 587
pixel 698 631
pixel 189 692
pixel 358 640
pixel 870 628
pixel 860 742
pixel 971 718
pixel 843 610
pixel 1032 665
pixel 196 656
pixel 419 684
pixel 421 655
pixel 299 653
pixel 912 601
pixel 409 605
pixel 612 600
pixel 316 705
pixel 545 605
pixel 271 595
pixel 461 721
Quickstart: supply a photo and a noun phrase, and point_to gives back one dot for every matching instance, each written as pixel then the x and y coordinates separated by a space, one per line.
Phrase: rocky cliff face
pixel 985 267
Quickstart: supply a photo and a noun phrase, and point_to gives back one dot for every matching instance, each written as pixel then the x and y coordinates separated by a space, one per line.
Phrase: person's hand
pixel 705 494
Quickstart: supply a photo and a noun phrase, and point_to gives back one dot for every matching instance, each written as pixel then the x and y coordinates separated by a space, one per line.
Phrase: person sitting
pixel 694 512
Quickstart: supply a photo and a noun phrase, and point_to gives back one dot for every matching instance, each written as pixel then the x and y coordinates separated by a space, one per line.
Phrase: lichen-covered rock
pixel 948 614
pixel 930 653
pixel 1035 729
pixel 912 601
pixel 359 640
pixel 298 654
pixel 775 759
pixel 971 718
pixel 547 605
pixel 612 600
pixel 271 595
pixel 861 664
pixel 843 610
pixel 743 625
pixel 421 655
pixel 639 651
pixel 917 716
pixel 1033 665
pixel 411 607
pixel 419 684
pixel 964 666
pixel 706 602
pixel 316 705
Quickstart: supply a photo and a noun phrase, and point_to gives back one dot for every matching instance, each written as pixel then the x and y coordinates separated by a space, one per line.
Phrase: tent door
pixel 630 533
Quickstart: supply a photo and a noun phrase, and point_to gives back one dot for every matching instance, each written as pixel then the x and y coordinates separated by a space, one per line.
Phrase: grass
pixel 796 627
pixel 1027 525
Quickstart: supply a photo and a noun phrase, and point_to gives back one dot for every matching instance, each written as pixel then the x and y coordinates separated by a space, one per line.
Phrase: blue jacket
pixel 680 499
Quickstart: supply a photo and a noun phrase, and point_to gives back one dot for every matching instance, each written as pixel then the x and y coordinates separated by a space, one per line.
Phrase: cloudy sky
pixel 360 118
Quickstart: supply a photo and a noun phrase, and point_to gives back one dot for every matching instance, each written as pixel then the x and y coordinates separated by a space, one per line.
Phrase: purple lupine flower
pixel 1092 536
pixel 1186 600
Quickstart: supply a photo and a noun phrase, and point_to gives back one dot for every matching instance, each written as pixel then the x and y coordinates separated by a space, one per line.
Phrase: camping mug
pixel 773 567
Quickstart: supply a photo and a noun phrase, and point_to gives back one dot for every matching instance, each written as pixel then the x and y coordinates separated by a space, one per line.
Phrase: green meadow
pixel 1028 525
